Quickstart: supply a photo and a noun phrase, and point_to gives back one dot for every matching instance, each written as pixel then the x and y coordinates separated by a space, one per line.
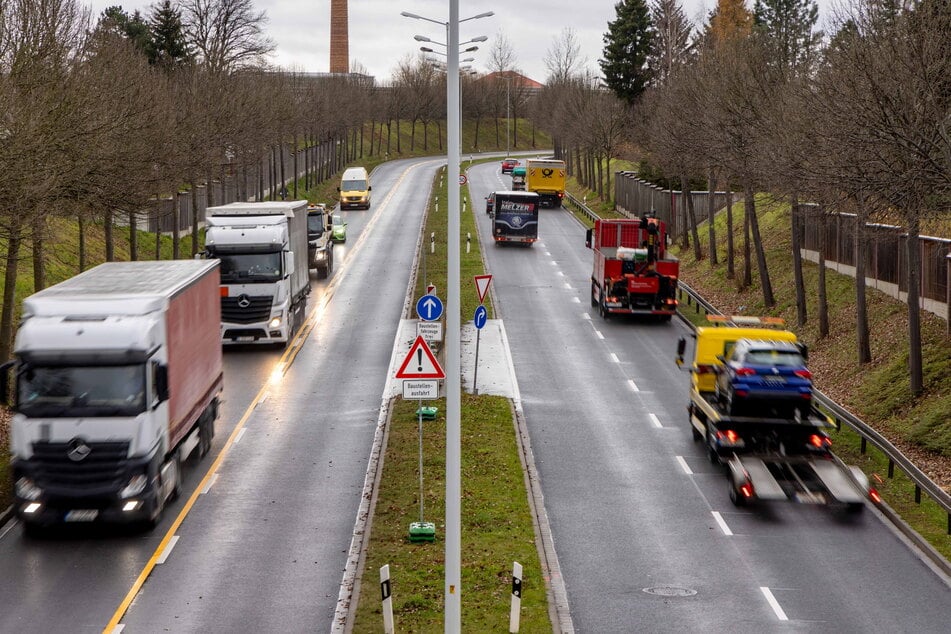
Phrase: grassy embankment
pixel 62 247
pixel 878 392
pixel 496 519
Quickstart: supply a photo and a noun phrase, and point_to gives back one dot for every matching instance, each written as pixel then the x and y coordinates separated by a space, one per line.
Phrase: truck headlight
pixel 321 255
pixel 27 489
pixel 274 323
pixel 135 486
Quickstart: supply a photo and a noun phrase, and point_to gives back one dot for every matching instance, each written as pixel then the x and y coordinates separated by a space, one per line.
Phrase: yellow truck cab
pixel 355 188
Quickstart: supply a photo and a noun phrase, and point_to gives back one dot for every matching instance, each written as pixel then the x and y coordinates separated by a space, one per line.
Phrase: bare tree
pixel 563 58
pixel 227 34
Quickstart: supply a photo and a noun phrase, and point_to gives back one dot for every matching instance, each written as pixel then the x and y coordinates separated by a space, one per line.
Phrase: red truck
pixel 633 274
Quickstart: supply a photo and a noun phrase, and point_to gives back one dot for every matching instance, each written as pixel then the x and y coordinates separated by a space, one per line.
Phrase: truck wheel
pixel 321 272
pixel 602 308
pixel 736 497
pixel 206 432
pixel 594 294
pixel 696 434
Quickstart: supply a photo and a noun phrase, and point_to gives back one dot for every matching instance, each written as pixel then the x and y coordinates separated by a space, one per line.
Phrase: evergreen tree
pixel 168 36
pixel 133 28
pixel 788 26
pixel 627 45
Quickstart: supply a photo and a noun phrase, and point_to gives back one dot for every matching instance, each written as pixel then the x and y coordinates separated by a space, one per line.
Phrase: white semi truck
pixel 262 248
pixel 118 372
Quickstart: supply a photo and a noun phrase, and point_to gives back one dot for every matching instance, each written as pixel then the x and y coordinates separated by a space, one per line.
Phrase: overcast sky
pixel 380 37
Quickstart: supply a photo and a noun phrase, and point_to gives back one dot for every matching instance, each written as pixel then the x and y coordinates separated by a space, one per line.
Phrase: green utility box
pixel 422 532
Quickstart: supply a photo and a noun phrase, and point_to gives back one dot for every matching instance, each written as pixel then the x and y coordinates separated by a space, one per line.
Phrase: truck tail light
pixel 745 372
pixel 803 374
pixel 817 440
pixel 747 489
pixel 875 496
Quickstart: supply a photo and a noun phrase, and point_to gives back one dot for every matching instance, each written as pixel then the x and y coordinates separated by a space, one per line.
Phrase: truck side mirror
pixel 5 382
pixel 161 382
pixel 587 238
pixel 288 263
pixel 681 347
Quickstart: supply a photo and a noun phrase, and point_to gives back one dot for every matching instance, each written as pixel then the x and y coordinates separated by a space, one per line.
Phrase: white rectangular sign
pixel 421 389
pixel 431 331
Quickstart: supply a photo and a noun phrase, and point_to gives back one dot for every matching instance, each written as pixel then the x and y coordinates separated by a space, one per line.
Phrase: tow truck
pixel 766 458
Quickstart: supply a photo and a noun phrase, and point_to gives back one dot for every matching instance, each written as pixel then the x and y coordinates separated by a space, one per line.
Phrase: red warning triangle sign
pixel 420 363
pixel 482 285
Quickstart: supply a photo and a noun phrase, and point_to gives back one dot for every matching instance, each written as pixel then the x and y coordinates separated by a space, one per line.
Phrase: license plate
pixel 82 515
pixel 775 379
pixel 245 338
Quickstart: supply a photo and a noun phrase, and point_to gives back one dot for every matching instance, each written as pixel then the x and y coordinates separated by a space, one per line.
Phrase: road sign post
pixel 479 320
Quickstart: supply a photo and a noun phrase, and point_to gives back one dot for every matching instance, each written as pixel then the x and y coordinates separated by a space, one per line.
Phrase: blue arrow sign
pixel 429 308
pixel 481 316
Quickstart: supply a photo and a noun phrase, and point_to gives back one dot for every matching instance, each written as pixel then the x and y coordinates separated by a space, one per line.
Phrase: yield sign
pixel 482 285
pixel 420 363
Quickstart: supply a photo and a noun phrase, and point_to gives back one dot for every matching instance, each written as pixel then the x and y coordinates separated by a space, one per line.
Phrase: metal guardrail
pixel 860 427
pixel 575 204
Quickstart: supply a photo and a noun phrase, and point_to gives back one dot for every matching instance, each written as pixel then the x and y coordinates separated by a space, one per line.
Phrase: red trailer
pixel 633 274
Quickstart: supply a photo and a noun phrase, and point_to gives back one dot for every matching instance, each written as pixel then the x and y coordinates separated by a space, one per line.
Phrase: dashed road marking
pixel 723 527
pixel 773 603
pixel 683 465
pixel 168 550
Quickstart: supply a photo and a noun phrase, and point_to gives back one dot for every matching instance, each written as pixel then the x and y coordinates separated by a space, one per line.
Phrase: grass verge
pixel 497 526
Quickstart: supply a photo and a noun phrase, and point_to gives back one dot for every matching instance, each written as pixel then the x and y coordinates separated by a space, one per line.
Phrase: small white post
pixel 432 242
pixel 516 597
pixel 464 203
pixel 385 590
pixel 468 241
pixel 437 204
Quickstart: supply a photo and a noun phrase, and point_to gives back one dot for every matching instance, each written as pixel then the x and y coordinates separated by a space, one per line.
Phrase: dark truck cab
pixel 320 250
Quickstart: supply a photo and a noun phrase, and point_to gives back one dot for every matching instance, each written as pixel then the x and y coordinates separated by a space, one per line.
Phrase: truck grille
pixel 245 309
pixel 104 467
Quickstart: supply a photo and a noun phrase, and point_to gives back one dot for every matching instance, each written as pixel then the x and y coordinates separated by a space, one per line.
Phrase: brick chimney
pixel 339 37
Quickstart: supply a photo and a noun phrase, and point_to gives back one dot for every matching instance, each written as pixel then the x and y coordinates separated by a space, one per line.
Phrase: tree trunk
pixel 108 235
pixel 39 266
pixel 861 304
pixel 767 287
pixel 81 227
pixel 195 220
pixel 730 256
pixel 176 227
pixel 747 251
pixel 823 296
pixel 802 312
pixel 9 288
pixel 133 236
pixel 711 212
pixel 691 219
pixel 913 248
pixel 296 152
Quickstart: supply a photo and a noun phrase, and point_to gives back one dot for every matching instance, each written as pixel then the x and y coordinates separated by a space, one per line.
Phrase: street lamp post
pixel 453 574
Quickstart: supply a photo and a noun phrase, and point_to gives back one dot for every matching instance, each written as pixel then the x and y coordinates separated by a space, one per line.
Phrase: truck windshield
pixel 315 224
pixel 68 391
pixel 237 268
pixel 357 185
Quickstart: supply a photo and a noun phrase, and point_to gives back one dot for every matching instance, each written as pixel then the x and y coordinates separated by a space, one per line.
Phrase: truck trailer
pixel 117 375
pixel 515 217
pixel 263 250
pixel 546 177
pixel 767 457
pixel 633 274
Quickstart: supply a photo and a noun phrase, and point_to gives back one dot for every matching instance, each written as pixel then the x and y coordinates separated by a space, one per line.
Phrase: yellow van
pixel 355 188
pixel 713 342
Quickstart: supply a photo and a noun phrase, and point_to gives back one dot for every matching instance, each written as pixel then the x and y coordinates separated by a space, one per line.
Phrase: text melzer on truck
pixel 117 372
pixel 262 248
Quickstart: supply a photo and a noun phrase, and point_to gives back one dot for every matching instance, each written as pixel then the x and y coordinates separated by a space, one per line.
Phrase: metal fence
pixel 254 183
pixel 634 196
pixel 884 248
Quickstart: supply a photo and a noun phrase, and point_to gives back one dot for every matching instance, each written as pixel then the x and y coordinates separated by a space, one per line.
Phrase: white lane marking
pixel 240 435
pixel 568 285
pixel 586 316
pixel 168 550
pixel 547 253
pixel 576 300
pixel 561 273
pixel 553 263
pixel 263 398
pixel 683 465
pixel 598 333
pixel 614 358
pixel 773 603
pixel 723 527
pixel 633 385
pixel 655 420
pixel 211 481
pixel 117 629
